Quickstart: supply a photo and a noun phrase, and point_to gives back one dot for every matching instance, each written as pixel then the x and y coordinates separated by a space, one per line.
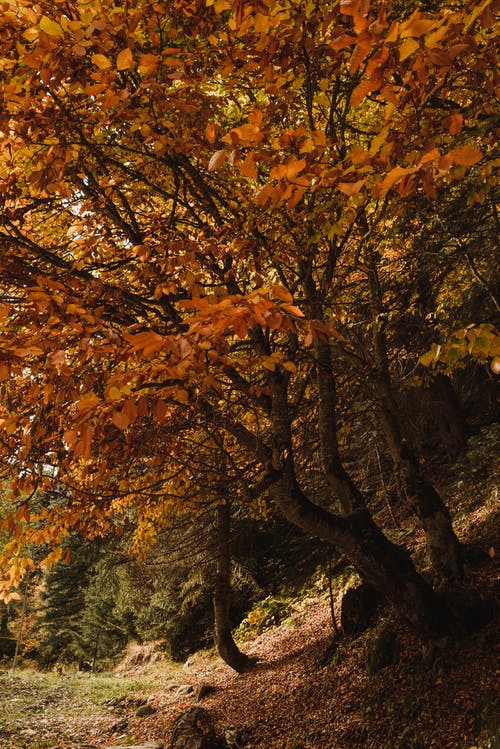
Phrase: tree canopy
pixel 229 231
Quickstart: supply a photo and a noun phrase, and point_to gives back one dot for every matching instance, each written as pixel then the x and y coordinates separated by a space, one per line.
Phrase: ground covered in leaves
pixel 299 695
pixel 303 693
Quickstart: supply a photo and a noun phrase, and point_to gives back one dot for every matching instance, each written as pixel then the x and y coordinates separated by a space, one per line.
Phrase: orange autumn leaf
pixel 120 419
pixel 125 59
pixel 101 61
pixel 465 155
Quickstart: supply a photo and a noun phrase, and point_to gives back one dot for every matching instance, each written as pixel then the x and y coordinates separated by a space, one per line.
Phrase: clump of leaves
pixel 267 613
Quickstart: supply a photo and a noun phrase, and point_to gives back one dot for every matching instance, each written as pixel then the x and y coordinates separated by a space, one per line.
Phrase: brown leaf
pixel 217 160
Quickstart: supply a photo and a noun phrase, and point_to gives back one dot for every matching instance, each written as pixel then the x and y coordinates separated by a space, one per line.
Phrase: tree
pixel 63 604
pixel 195 203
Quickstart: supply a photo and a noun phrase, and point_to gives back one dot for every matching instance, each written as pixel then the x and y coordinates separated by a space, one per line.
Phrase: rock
pixel 359 606
pixel 119 726
pixel 184 689
pixel 236 738
pixel 203 691
pixel 380 650
pixel 195 729
pixel 145 710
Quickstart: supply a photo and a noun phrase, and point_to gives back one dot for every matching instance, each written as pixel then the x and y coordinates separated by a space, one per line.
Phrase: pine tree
pixel 64 601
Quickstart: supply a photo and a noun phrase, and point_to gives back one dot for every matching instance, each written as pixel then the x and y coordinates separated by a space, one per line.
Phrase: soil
pixel 301 694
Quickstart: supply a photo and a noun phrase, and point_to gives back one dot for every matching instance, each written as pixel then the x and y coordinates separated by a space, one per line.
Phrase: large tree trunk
pixel 387 567
pixel 442 544
pixel 226 646
pixel 337 478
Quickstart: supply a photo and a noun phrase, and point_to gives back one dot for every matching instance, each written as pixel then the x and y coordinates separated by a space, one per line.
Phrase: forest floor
pixel 297 696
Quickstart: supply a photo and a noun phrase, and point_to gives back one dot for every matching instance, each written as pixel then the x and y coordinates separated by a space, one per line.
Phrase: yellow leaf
pixel 261 23
pixel 426 359
pixel 491 552
pixel 101 61
pixel 495 365
pixel 182 396
pixel 433 39
pixel 30 34
pixel 269 363
pixel 125 59
pixel 50 27
pixel 408 48
pixel 417 27
pixel 114 393
pixel 379 141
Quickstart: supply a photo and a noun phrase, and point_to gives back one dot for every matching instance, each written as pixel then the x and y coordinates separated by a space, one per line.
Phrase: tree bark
pixel 226 646
pixel 337 478
pixel 443 546
pixel 389 568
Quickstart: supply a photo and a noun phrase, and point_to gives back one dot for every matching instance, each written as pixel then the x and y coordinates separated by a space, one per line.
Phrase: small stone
pixel 236 738
pixel 184 689
pixel 119 726
pixel 145 710
pixel 195 729
pixel 203 691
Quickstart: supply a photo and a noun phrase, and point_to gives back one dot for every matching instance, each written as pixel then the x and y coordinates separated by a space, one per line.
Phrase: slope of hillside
pixel 306 690
pixel 295 697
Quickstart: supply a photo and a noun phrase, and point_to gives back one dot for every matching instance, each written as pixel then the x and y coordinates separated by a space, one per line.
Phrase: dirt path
pixel 292 699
